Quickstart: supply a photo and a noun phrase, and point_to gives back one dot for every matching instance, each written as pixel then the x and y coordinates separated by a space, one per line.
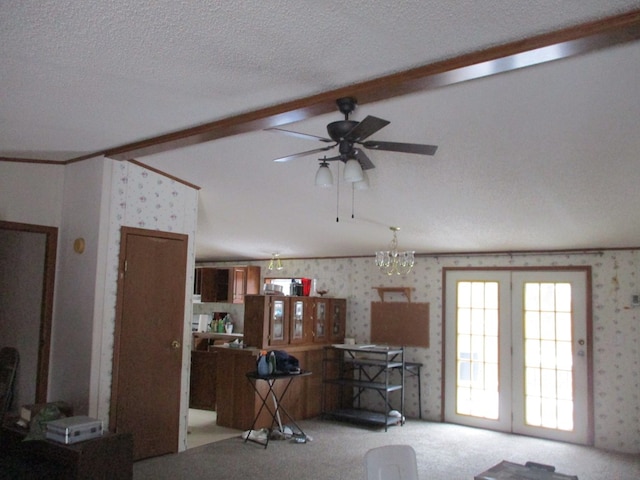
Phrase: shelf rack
pixel 361 368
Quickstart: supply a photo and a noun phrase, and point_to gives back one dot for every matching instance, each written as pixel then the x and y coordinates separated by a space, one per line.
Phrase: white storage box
pixel 73 429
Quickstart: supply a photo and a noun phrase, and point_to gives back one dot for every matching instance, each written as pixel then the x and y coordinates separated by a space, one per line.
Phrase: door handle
pixel 175 344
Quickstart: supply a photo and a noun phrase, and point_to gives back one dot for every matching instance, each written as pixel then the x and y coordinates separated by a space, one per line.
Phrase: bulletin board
pixel 400 324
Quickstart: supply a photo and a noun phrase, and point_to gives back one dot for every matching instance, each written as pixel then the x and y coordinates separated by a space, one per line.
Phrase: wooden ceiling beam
pixel 568 42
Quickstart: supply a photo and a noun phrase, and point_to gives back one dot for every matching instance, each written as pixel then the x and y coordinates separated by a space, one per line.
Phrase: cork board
pixel 400 324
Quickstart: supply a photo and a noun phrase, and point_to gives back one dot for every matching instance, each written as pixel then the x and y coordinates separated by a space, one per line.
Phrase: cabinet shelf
pixel 355 369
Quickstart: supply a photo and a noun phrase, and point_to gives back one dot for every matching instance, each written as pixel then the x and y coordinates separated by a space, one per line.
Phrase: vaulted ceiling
pixel 534 107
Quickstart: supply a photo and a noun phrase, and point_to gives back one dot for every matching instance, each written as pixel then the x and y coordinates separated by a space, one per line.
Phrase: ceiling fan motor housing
pixel 338 130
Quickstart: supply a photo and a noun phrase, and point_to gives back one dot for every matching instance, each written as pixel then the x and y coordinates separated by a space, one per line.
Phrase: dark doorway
pixel 28 265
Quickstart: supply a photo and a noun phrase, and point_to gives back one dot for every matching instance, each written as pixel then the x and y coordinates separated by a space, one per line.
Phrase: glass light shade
pixel 362 184
pixel 324 178
pixel 352 171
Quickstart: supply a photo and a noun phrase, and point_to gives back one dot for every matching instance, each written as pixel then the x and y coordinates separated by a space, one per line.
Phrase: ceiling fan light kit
pixel 393 262
pixel 352 171
pixel 324 178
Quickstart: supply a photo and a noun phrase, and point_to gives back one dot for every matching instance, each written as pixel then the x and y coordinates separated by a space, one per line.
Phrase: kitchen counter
pixel 203 340
pixel 237 402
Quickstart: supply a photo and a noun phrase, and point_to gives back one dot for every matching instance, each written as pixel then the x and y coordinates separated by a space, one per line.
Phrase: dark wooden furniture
pixel 238 404
pixel 202 389
pixel 226 285
pixel 273 321
pixel 109 457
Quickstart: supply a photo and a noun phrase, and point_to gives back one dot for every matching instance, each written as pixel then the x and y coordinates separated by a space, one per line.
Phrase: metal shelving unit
pixel 362 368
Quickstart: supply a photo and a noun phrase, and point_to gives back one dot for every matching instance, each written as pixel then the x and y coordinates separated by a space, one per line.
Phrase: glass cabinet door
pixel 279 334
pixel 338 319
pixel 320 321
pixel 298 320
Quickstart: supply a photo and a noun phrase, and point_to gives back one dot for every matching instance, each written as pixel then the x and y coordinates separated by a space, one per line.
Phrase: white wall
pixel 72 329
pixel 31 193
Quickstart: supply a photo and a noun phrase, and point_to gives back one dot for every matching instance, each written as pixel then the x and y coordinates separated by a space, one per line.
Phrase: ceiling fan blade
pixel 365 161
pixel 299 135
pixel 365 128
pixel 303 154
pixel 401 147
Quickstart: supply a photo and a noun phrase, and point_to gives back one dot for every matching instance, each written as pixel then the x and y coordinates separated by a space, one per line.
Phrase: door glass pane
pixel 278 320
pixel 548 355
pixel 298 319
pixel 477 349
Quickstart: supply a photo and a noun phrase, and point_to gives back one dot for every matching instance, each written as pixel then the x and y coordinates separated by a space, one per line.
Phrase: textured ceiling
pixel 540 158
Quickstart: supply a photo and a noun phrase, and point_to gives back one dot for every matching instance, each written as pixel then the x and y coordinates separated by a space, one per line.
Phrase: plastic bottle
pixel 272 362
pixel 263 365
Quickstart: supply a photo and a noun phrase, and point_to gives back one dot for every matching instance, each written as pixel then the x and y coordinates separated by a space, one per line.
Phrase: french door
pixel 517 356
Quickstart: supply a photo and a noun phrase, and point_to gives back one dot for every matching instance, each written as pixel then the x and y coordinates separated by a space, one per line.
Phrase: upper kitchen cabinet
pixel 246 281
pixel 266 320
pixel 275 320
pixel 226 285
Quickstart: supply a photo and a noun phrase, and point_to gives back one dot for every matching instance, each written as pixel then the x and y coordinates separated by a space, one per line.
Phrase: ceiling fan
pixel 348 135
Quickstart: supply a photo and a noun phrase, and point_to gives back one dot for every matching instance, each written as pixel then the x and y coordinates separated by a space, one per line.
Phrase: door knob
pixel 175 344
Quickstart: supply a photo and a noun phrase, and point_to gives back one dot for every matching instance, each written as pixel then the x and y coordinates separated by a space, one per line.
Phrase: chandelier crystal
pixel 392 261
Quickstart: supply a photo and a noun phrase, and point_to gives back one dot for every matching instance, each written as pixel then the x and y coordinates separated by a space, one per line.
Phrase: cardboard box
pixel 73 429
pixel 531 471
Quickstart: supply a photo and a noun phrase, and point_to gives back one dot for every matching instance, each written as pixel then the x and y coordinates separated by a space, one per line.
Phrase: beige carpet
pixel 444 451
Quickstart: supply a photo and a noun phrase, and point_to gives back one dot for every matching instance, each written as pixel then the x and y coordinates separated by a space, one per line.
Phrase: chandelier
pixel 392 261
pixel 275 263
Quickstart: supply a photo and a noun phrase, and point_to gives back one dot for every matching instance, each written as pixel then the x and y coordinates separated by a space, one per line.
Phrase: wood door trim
pixel 124 232
pixel 46 308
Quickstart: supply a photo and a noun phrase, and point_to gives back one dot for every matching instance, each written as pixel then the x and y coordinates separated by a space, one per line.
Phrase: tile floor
pixel 203 429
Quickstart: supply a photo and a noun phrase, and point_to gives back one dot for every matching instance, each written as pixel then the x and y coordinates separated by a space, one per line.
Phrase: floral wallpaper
pixel 143 199
pixel 616 336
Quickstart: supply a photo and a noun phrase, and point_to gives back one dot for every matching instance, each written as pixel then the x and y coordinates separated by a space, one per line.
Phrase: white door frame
pixel 586 433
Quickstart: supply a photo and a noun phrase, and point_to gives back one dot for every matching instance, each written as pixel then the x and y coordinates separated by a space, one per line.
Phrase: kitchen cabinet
pixel 338 319
pixel 246 281
pixel 276 320
pixel 226 285
pixel 266 320
pixel 238 404
pixel 202 388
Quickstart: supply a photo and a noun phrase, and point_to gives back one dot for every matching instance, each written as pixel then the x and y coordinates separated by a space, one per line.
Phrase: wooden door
pixel 147 363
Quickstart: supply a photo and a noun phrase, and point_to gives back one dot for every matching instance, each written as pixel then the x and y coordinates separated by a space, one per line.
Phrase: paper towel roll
pixel 203 322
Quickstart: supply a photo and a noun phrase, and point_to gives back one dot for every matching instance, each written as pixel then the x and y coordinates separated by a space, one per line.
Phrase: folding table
pixel 278 408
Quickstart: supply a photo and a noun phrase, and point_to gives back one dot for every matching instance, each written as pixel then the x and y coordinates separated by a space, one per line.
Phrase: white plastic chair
pixel 391 462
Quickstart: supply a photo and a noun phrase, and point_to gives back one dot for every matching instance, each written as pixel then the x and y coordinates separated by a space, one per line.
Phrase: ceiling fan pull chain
pixel 338 195
pixel 353 199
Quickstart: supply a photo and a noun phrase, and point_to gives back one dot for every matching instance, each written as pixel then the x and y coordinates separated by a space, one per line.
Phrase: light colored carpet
pixel 444 452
